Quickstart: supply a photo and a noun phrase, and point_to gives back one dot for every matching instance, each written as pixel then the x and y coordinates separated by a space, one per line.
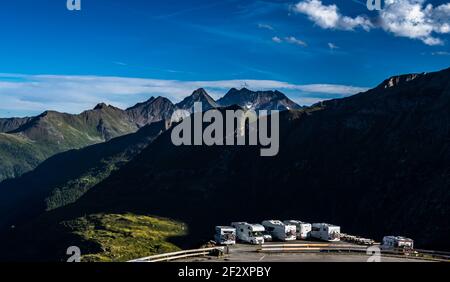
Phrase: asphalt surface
pixel 300 257
pixel 249 253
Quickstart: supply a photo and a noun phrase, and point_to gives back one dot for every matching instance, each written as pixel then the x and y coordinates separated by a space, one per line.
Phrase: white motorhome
pixel 279 230
pixel 249 233
pixel 303 228
pixel 225 235
pixel 326 232
pixel 397 242
pixel 267 237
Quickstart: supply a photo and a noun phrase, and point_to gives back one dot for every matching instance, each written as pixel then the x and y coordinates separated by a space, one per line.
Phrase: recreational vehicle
pixel 249 233
pixel 267 237
pixel 326 232
pixel 303 228
pixel 279 230
pixel 397 242
pixel 225 235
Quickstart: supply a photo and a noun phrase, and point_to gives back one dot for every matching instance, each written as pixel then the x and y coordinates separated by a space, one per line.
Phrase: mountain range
pixel 26 142
pixel 259 100
pixel 9 124
pixel 376 163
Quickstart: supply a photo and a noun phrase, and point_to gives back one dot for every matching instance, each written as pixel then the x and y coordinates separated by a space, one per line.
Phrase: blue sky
pixel 122 52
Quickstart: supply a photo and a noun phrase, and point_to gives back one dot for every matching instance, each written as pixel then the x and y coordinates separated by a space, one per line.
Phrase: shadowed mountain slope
pixel 377 163
pixel 63 178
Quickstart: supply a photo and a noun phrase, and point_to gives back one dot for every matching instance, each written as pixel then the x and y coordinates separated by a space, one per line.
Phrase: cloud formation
pixel 265 26
pixel 276 39
pixel 332 46
pixel 290 40
pixel 415 19
pixel 329 17
pixel 440 53
pixel 33 94
pixel 293 40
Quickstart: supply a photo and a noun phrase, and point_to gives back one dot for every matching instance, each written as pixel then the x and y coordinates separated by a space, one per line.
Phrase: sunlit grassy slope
pixel 122 237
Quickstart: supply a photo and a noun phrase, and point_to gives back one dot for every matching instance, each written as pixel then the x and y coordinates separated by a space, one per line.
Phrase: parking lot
pixel 252 253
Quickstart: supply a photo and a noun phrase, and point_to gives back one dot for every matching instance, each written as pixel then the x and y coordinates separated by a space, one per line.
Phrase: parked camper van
pixel 279 230
pixel 303 228
pixel 225 235
pixel 397 242
pixel 326 232
pixel 249 233
pixel 267 237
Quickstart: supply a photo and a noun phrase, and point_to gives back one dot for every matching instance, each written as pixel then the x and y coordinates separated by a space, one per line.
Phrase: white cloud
pixel 293 40
pixel 329 17
pixel 73 94
pixel 415 19
pixel 308 100
pixel 120 63
pixel 277 39
pixel 290 40
pixel 332 46
pixel 343 90
pixel 440 53
pixel 266 26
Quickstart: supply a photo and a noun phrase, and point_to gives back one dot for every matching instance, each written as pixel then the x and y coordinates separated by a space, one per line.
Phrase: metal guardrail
pixel 343 248
pixel 311 248
pixel 180 255
pixel 301 248
pixel 428 253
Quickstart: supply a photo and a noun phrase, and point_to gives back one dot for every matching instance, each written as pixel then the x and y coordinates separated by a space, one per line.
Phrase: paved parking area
pixel 249 253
